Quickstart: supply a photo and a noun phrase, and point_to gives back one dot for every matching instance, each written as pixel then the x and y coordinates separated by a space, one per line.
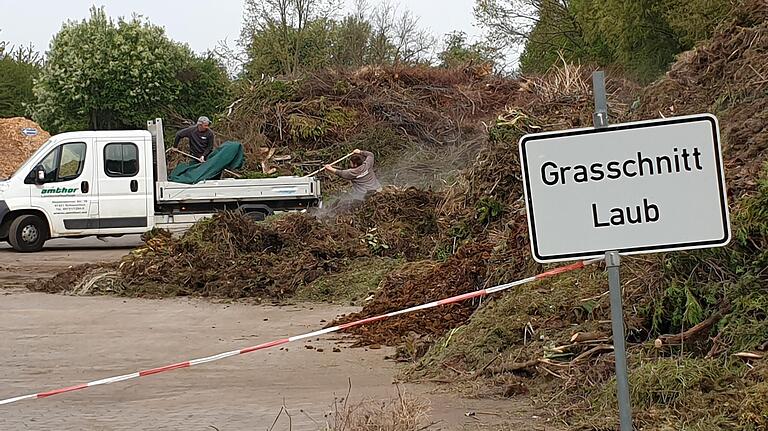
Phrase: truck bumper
pixel 4 224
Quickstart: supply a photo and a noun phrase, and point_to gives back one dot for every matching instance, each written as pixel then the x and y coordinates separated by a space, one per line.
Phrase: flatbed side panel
pixel 285 188
pixel 179 222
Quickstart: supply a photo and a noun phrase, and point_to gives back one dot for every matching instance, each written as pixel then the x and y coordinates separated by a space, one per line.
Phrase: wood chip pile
pixel 16 147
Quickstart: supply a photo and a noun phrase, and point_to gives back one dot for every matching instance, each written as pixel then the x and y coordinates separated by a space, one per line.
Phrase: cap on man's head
pixel 203 120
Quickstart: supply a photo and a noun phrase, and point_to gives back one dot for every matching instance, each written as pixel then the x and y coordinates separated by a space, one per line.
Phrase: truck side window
pixel 64 163
pixel 49 165
pixel 121 159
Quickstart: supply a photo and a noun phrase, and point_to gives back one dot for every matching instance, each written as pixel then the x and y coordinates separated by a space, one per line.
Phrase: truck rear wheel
pixel 28 233
pixel 256 215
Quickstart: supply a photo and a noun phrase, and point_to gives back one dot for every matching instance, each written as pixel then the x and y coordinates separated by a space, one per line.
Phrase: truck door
pixel 66 194
pixel 122 179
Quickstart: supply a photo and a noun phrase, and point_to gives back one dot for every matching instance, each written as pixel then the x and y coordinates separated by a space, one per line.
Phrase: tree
pixel 106 75
pixel 546 29
pixel 557 32
pixel 351 36
pixel 285 37
pixel 276 51
pixel 458 53
pixel 18 69
pixel 275 32
pixel 205 86
pixel 396 36
pixel 511 22
pixel 633 34
pixel 641 36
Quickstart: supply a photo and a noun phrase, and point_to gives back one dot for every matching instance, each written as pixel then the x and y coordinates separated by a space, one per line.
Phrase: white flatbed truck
pixel 113 183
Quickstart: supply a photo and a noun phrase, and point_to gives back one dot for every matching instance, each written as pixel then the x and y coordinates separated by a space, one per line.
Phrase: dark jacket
pixel 200 143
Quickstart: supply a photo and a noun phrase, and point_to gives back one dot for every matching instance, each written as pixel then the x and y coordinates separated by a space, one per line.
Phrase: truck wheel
pixel 28 233
pixel 256 215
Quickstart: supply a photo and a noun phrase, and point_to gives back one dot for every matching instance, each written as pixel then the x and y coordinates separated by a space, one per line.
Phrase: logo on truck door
pixel 58 191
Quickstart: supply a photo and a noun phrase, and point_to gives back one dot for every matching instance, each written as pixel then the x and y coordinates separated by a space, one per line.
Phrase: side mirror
pixel 39 175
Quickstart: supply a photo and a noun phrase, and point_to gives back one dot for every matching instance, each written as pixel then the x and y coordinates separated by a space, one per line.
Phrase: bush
pixel 106 75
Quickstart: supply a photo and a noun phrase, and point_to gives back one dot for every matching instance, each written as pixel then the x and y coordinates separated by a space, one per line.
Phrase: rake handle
pixel 333 163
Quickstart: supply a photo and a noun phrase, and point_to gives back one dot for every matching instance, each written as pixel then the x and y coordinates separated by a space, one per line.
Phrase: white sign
pixel 634 188
pixel 29 131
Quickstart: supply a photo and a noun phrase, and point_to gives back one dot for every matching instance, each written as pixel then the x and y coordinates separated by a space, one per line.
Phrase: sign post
pixel 629 188
pixel 613 264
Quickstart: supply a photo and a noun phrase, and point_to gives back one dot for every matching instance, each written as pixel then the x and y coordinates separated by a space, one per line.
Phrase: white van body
pixel 112 183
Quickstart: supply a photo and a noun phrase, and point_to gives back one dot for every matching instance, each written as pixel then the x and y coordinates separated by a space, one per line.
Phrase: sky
pixel 200 24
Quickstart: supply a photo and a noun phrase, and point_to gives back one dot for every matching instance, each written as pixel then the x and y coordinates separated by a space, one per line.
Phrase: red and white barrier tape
pixel 187 364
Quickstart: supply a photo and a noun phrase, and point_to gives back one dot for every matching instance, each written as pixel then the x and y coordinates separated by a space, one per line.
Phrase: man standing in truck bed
pixel 200 138
pixel 361 174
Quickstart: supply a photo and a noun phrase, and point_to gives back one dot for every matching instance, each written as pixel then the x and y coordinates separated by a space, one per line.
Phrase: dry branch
pixel 672 339
pixel 597 349
pixel 511 368
pixel 581 337
pixel 749 355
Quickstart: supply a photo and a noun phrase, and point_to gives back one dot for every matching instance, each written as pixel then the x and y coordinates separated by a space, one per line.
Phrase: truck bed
pixel 230 189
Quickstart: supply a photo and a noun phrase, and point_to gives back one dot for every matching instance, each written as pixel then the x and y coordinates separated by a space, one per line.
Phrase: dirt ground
pixel 51 341
pixel 18 269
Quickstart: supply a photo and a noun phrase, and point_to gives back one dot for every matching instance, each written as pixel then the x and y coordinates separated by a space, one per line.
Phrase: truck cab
pixel 112 183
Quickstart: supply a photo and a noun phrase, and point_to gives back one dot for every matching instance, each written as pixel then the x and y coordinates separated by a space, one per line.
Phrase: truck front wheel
pixel 28 233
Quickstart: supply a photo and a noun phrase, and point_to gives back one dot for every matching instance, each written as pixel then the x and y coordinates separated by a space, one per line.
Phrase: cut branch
pixel 672 339
pixel 581 337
